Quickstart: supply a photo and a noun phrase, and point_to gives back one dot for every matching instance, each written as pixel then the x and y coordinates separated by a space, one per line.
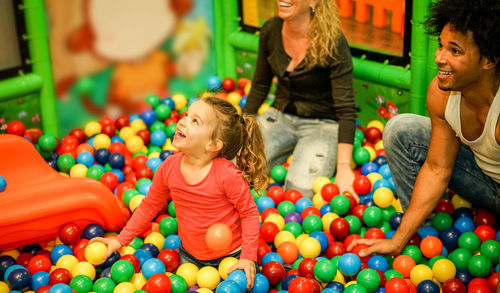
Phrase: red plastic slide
pixel 38 200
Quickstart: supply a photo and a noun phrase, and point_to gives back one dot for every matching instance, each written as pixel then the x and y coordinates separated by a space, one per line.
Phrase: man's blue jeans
pixel 313 142
pixel 406 142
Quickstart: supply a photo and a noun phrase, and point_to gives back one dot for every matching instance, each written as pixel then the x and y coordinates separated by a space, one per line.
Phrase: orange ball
pixel 288 251
pixel 431 246
pixel 403 264
pixel 219 237
pixel 84 147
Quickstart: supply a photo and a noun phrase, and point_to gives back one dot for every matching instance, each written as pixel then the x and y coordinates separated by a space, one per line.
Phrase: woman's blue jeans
pixel 406 142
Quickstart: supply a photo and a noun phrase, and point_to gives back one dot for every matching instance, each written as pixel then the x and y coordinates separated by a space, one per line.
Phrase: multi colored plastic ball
pixel 278 173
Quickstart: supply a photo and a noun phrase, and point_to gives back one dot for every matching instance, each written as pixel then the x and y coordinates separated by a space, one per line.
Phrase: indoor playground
pixel 90 96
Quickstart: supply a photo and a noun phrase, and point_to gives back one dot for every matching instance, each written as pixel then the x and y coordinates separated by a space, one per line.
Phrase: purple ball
pixel 293 217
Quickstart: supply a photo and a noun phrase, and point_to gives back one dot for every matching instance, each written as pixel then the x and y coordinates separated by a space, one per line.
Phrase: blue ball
pixel 380 161
pixel 165 154
pixel 93 230
pixel 349 264
pixel 32 248
pixel 272 256
pixel 116 138
pixel 214 83
pixel 3 183
pixel 158 137
pixel 169 102
pixel 149 117
pixel 378 262
pixel 153 163
pixel 260 284
pixel 142 255
pixel 60 288
pixel 368 168
pixel 152 266
pixel 322 239
pixel 286 281
pixel 462 212
pixel 449 237
pixel 395 220
pixel 273 184
pixel 264 202
pixel 368 201
pixel 464 276
pixel 228 286
pixel 427 286
pixel 106 273
pixel 385 171
pixel 192 100
pixel 172 241
pixel 53 164
pixel 115 256
pixel 6 261
pixel 389 234
pixel 382 183
pixel 239 277
pixel 144 188
pixel 119 174
pixel 325 209
pixel 425 231
pixel 242 101
pixel 101 156
pixel 335 286
pixel 134 117
pixel 85 158
pixel 151 248
pixel 60 250
pixel 464 224
pixel 116 160
pixel 303 203
pixel 39 279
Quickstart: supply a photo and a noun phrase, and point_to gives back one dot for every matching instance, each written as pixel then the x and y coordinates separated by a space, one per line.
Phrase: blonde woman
pixel 314 111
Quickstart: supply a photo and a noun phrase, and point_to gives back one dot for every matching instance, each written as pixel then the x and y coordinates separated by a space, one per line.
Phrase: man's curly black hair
pixel 482 17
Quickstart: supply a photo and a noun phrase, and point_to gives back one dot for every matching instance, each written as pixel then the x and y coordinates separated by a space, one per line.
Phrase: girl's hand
pixel 248 267
pixel 112 244
pixel 344 179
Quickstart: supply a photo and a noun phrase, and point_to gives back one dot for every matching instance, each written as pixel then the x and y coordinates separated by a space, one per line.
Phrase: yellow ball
pixel 460 202
pixel 339 277
pixel 277 219
pixel 134 144
pixel 180 101
pixel 420 273
pixel 126 132
pixel 374 177
pixel 377 124
pixel 188 271
pixel 135 202
pixel 289 159
pixel 225 265
pixel 138 280
pixel 91 128
pixel 83 268
pixel 14 253
pixel 154 155
pixel 94 253
pixel 101 141
pixel 263 108
pixel 204 290
pixel 66 262
pixel 372 152
pixel 353 282
pixel 156 239
pixel 138 124
pixel 383 197
pixel 379 145
pixel 78 170
pixel 318 200
pixel 4 288
pixel 300 239
pixel 208 277
pixel 443 270
pixel 233 98
pixel 310 248
pixel 126 250
pixel 319 183
pixel 247 88
pixel 327 220
pixel 283 236
pixel 125 287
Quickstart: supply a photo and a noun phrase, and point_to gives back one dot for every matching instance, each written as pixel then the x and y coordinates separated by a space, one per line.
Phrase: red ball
pixel 274 272
pixel 484 217
pixel 262 250
pixel 454 286
pixel 109 179
pixel 118 147
pixel 70 140
pixel 145 172
pixel 485 232
pixel 334 249
pixel 415 240
pixel 170 258
pixel 268 231
pixel 131 178
pixel 493 281
pixel 70 233
pixel 380 152
pixel 396 285
pixel 109 130
pixel 24 258
pixel 329 190
pixel 139 162
pixel 43 289
pixel 267 212
pixel 382 278
pixel 356 251
pixel 306 267
pixel 39 263
pixel 106 120
pixel 374 233
pixel 16 128
pixel 361 184
pixel 373 134
pixel 300 285
pixel 159 283
pixel 277 194
pixel 121 122
pixel 145 135
pixel 60 275
pixel 293 195
pixel 134 261
pixel 444 206
pixel 79 134
pixel 431 246
pixel 79 249
pixel 339 228
pixel 122 187
pixel 358 211
pixel 310 211
pixel 242 82
pixel 228 84
pixel 349 239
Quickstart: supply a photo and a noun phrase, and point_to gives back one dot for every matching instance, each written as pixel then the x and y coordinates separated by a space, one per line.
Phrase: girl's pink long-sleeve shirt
pixel 222 196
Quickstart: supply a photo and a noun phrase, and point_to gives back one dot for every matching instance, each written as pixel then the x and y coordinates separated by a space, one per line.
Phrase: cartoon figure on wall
pixel 112 54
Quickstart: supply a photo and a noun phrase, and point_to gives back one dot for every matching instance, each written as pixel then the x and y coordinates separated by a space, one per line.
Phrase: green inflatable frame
pixel 229 37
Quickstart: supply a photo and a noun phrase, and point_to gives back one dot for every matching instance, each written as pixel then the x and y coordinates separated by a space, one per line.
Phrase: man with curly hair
pixel 459 145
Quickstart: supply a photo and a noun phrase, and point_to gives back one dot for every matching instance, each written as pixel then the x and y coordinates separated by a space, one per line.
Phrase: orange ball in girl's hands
pixel 219 237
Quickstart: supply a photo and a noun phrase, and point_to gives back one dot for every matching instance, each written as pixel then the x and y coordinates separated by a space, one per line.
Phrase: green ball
pixel 359 135
pixel 183 110
pixel 128 194
pixel 362 231
pixel 388 212
pixel 171 209
pixel 153 100
pixel 65 162
pixel 168 226
pixel 157 125
pixel 470 241
pixel 179 285
pixel 170 131
pixel 278 173
pixel 355 288
pixel 142 181
pixel 44 154
pixel 294 228
pixel 385 227
pixel 325 270
pixel 47 143
pixel 479 266
pixel 340 205
pixel 389 274
pixel 285 207
pixel 460 257
pixel 361 156
pixel 122 271
pixel 136 243
pixel 369 279
pixel 435 259
pixel 442 221
pixel 296 263
pixel 162 112
pixel 372 216
pixel 94 172
pixel 81 284
pixel 140 291
pixel 107 167
pixel 414 252
pixel 312 223
pixel 336 259
pixel 490 248
pixel 154 149
pixel 104 285
pixel 354 224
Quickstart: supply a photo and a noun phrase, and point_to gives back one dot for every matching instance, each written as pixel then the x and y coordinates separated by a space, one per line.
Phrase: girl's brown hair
pixel 242 139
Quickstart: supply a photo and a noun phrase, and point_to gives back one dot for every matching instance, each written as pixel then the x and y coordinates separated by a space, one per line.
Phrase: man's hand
pixel 380 246
pixel 344 179
pixel 112 244
pixel 248 267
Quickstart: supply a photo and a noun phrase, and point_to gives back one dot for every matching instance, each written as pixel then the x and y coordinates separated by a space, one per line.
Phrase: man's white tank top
pixel 485 148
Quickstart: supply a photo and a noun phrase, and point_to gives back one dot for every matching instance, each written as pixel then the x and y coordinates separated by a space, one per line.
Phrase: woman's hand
pixel 248 267
pixel 112 244
pixel 344 179
pixel 380 246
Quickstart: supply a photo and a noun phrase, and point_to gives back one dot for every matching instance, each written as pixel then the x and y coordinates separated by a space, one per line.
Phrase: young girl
pixel 207 187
